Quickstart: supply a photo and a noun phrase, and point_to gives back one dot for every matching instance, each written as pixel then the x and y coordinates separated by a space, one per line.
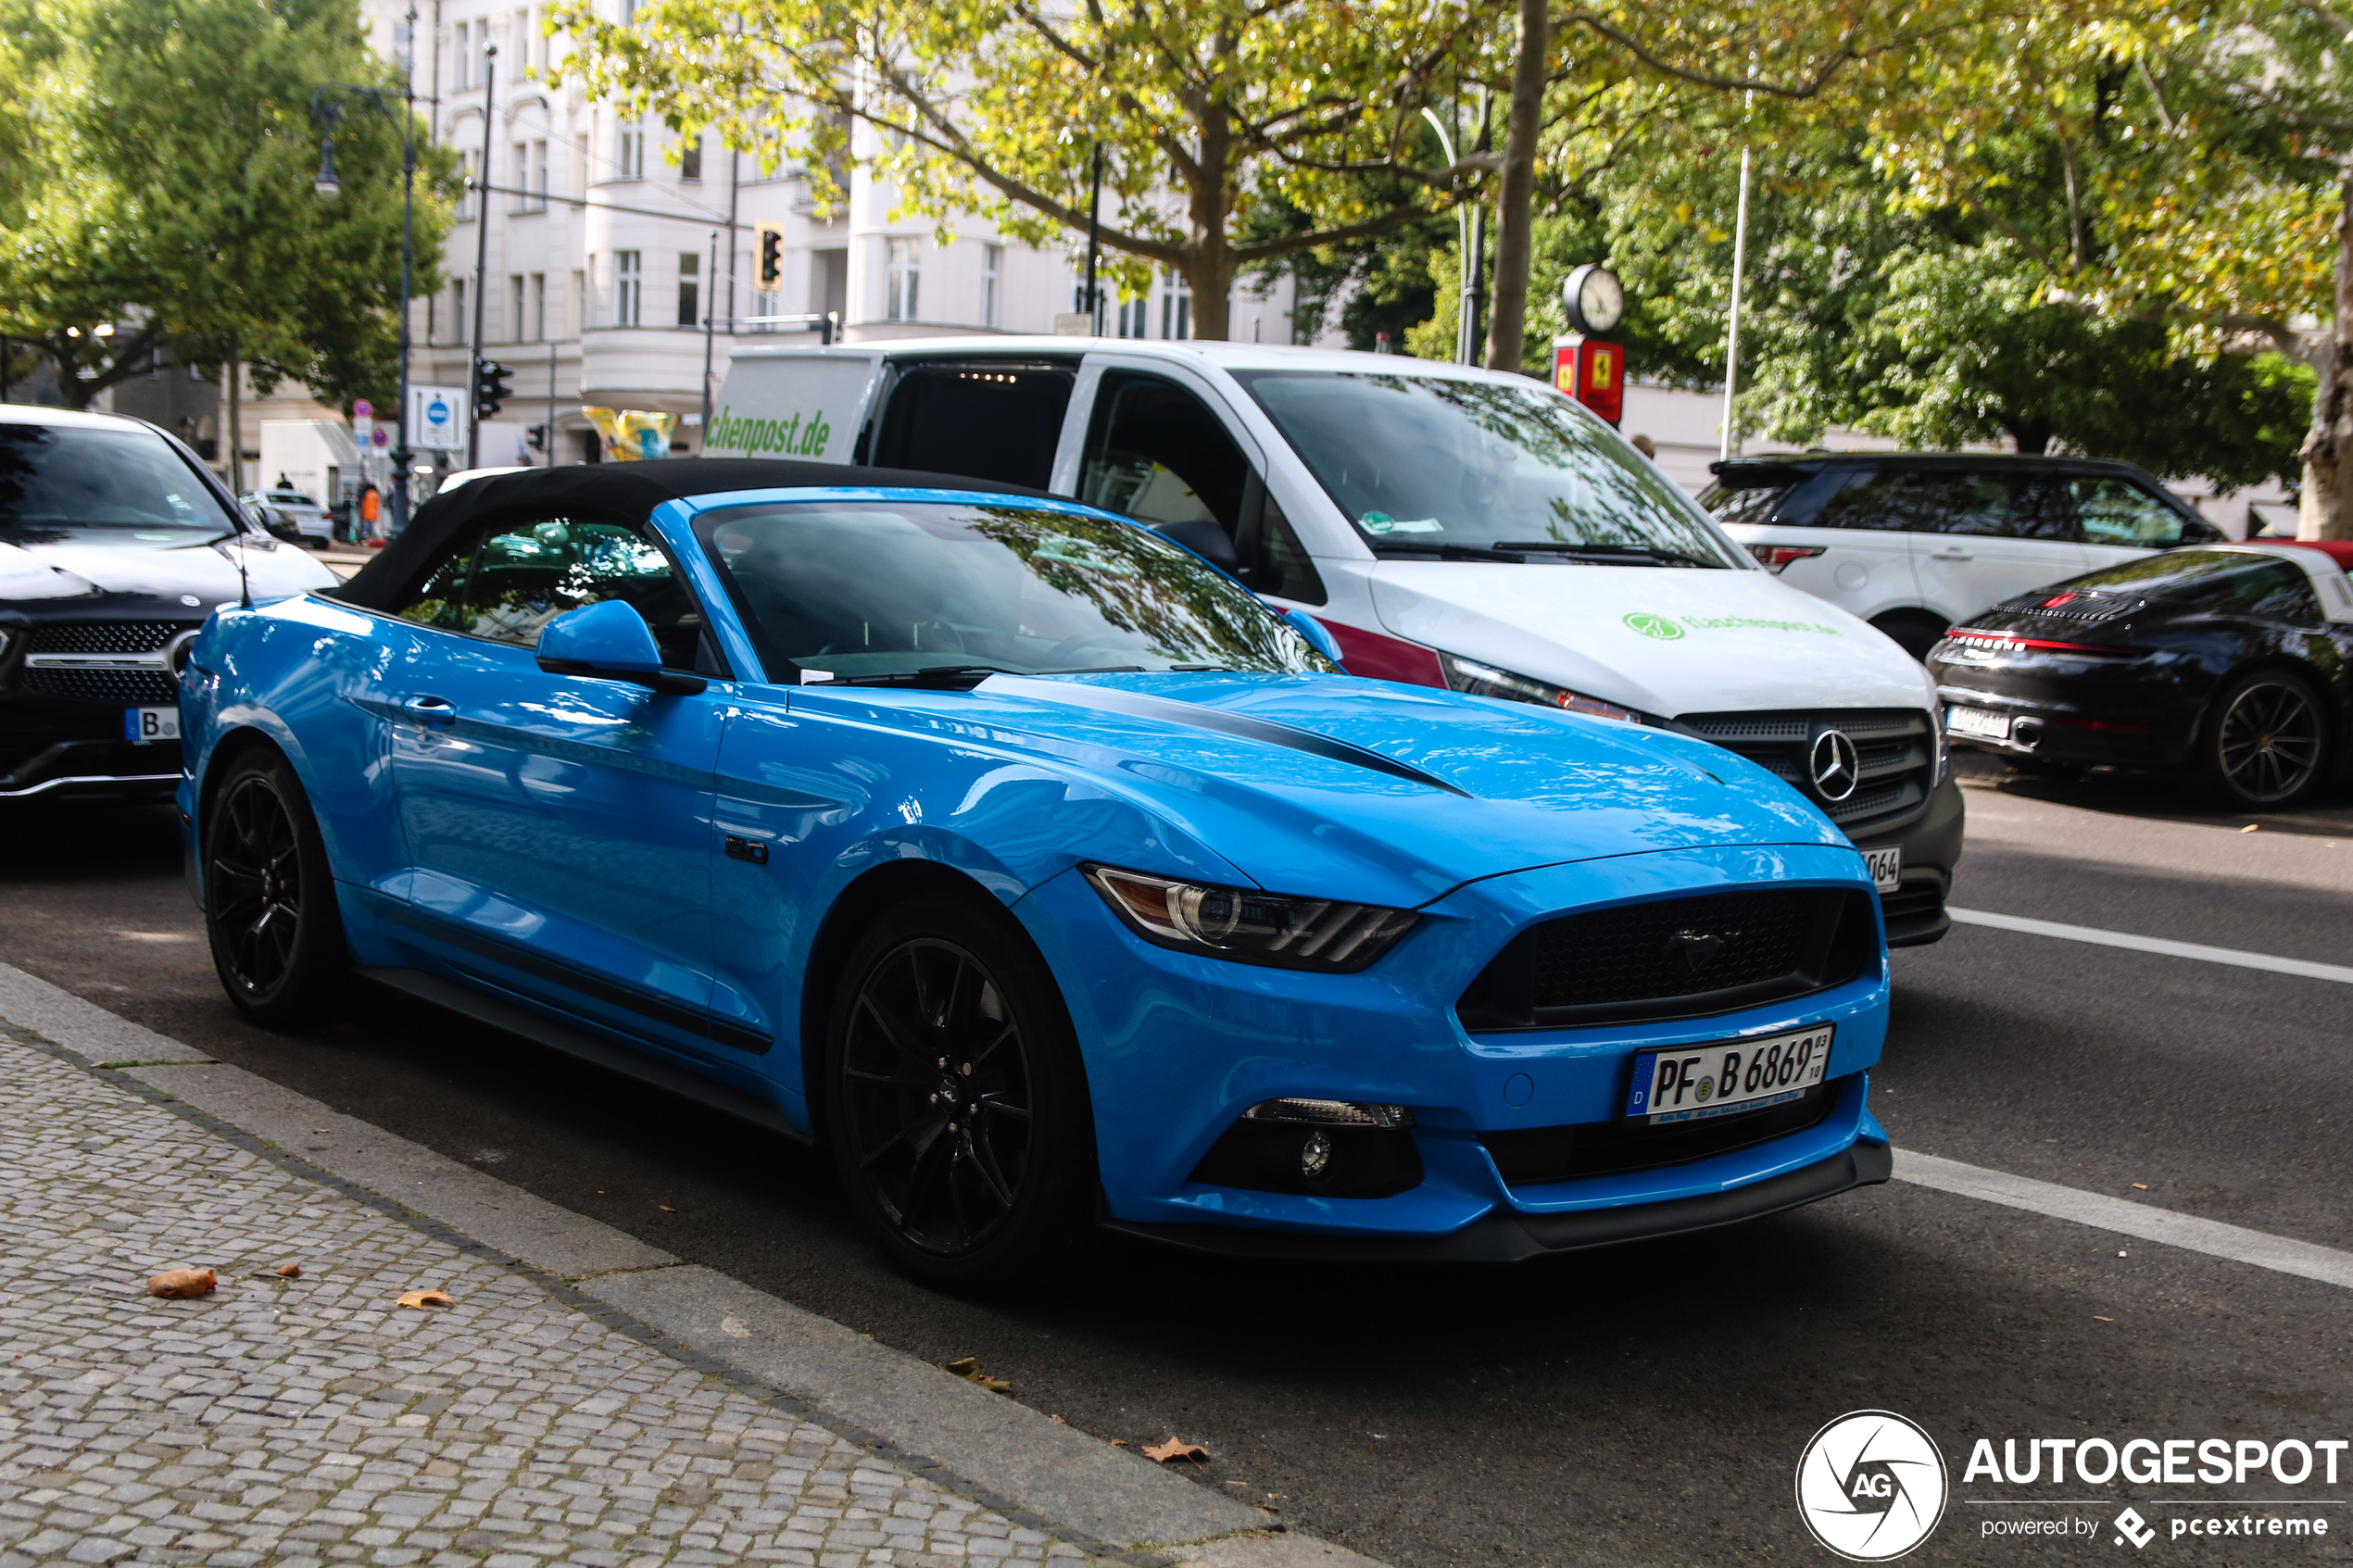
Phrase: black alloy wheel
pixel 270 903
pixel 2267 743
pixel 955 1102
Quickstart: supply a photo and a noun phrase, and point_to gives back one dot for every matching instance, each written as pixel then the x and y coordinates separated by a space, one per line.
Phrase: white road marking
pixel 2239 957
pixel 2146 1221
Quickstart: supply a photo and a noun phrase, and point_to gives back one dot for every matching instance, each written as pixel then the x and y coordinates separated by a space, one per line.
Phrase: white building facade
pixel 604 305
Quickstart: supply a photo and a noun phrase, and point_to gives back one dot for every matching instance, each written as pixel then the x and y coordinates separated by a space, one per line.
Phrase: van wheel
pixel 1915 631
pixel 270 896
pixel 956 1102
pixel 2266 742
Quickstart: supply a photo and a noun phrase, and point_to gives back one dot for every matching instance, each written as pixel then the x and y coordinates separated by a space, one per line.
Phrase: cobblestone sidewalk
pixel 314 1421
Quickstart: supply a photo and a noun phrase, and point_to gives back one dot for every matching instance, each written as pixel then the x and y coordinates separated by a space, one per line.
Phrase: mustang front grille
pixel 1674 957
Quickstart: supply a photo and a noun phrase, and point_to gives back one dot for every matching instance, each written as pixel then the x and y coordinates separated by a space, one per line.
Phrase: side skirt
pixel 537 1028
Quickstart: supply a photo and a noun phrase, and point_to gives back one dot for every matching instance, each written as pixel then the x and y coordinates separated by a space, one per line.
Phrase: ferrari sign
pixel 1594 372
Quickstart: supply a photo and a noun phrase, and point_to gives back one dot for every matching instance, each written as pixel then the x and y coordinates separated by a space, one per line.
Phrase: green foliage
pixel 165 182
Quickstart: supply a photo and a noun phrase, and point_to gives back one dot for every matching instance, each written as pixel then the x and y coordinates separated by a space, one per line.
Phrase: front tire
pixel 1915 631
pixel 2266 744
pixel 270 896
pixel 956 1102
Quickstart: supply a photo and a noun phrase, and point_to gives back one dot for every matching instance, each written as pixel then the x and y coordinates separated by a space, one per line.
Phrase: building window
pixel 902 273
pixel 539 307
pixel 1176 308
pixel 628 290
pixel 690 158
pixel 631 163
pixel 992 274
pixel 458 310
pixel 515 297
pixel 689 289
pixel 580 298
pixel 1133 319
pixel 464 56
pixel 523 41
pixel 628 13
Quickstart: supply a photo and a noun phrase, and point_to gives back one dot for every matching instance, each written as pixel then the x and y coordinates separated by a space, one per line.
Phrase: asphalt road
pixel 1643 1405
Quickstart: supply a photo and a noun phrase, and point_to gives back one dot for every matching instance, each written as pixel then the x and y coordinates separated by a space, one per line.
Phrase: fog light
pixel 1314 1154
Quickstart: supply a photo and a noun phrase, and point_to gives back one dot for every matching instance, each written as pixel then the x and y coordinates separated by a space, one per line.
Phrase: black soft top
pixel 630 489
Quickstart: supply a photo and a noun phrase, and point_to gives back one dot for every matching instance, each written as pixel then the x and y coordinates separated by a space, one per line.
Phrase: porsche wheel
pixel 269 901
pixel 2266 743
pixel 956 1104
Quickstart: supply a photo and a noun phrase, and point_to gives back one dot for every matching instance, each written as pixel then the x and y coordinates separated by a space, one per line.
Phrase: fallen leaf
pixel 1263 1508
pixel 665 1208
pixel 734 1328
pixel 1176 1448
pixel 289 1271
pixel 2250 827
pixel 1058 1421
pixel 2096 1318
pixel 2140 1187
pixel 968 1368
pixel 182 1284
pixel 1121 1443
pixel 427 1299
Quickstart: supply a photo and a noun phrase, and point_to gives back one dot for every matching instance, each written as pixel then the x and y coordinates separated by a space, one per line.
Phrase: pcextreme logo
pixel 1872 1485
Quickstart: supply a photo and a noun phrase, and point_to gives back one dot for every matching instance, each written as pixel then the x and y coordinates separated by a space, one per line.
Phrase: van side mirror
pixel 613 641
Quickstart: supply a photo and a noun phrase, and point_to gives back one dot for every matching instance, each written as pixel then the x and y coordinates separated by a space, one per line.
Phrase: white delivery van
pixel 1452 526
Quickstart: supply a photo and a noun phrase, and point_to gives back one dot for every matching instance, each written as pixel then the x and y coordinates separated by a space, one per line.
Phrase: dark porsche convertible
pixel 2231 662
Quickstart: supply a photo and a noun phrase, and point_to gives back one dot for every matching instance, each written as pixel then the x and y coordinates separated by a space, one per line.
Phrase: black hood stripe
pixel 1199 717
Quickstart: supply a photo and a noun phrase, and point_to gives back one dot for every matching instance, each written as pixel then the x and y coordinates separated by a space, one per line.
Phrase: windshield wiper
pixel 945 677
pixel 1454 552
pixel 1655 552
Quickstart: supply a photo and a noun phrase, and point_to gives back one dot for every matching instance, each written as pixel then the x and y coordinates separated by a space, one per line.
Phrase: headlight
pixel 1944 750
pixel 1485 680
pixel 1249 926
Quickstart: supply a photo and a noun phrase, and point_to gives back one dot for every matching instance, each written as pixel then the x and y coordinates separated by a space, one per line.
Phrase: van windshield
pixel 1431 465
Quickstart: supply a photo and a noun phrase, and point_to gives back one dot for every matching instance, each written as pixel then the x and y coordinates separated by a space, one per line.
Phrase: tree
pixel 162 188
pixel 1205 110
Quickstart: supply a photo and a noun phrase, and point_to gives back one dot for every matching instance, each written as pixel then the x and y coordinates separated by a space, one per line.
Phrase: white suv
pixel 1916 543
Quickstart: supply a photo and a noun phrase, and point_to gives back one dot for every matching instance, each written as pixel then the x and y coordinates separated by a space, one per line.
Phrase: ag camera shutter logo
pixel 1872 1485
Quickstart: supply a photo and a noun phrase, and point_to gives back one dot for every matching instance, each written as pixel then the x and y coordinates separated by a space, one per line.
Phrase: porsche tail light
pixel 2003 641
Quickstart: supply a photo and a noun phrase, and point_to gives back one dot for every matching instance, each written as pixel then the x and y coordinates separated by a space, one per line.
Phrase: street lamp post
pixel 327 108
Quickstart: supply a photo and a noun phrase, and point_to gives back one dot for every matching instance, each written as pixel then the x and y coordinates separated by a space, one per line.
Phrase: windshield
pixel 1428 465
pixel 56 478
pixel 887 590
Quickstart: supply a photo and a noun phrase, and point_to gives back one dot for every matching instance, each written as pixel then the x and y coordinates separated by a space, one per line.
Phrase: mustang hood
pixel 171 564
pixel 1385 793
pixel 1664 640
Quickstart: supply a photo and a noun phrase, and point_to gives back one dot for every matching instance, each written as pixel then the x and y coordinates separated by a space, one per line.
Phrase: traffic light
pixel 494 383
pixel 537 437
pixel 768 261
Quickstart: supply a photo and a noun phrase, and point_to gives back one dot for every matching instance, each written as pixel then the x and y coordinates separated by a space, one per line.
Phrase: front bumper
pixel 75 751
pixel 1514 1237
pixel 1931 842
pixel 1177 1047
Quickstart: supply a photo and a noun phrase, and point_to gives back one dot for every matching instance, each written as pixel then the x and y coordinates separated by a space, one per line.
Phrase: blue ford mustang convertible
pixel 1039 869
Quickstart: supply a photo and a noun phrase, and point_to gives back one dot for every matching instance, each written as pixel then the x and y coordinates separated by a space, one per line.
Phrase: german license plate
pixel 150 723
pixel 1693 1083
pixel 1887 867
pixel 1977 722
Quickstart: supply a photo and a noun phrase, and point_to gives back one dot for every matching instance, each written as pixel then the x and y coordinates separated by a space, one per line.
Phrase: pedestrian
pixel 1646 446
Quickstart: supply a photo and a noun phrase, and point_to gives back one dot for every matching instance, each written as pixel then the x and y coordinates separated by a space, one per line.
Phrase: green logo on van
pixel 1651 625
pixel 795 437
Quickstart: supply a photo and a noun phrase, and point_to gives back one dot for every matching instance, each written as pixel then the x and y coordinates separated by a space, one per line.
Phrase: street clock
pixel 1595 300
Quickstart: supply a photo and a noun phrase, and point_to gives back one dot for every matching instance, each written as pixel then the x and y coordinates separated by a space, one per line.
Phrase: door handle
pixel 1950 555
pixel 434 711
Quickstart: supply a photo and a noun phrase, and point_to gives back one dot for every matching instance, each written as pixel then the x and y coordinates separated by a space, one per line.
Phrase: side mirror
pixel 1319 635
pixel 611 640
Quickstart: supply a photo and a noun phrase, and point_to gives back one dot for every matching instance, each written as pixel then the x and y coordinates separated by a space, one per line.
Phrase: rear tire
pixel 956 1102
pixel 270 896
pixel 1915 631
pixel 2266 743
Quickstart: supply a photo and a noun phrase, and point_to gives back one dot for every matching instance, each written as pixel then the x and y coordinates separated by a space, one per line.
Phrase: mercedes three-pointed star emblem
pixel 1833 765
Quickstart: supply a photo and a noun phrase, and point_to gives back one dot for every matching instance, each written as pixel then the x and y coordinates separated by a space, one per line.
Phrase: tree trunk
pixel 1514 213
pixel 2324 509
